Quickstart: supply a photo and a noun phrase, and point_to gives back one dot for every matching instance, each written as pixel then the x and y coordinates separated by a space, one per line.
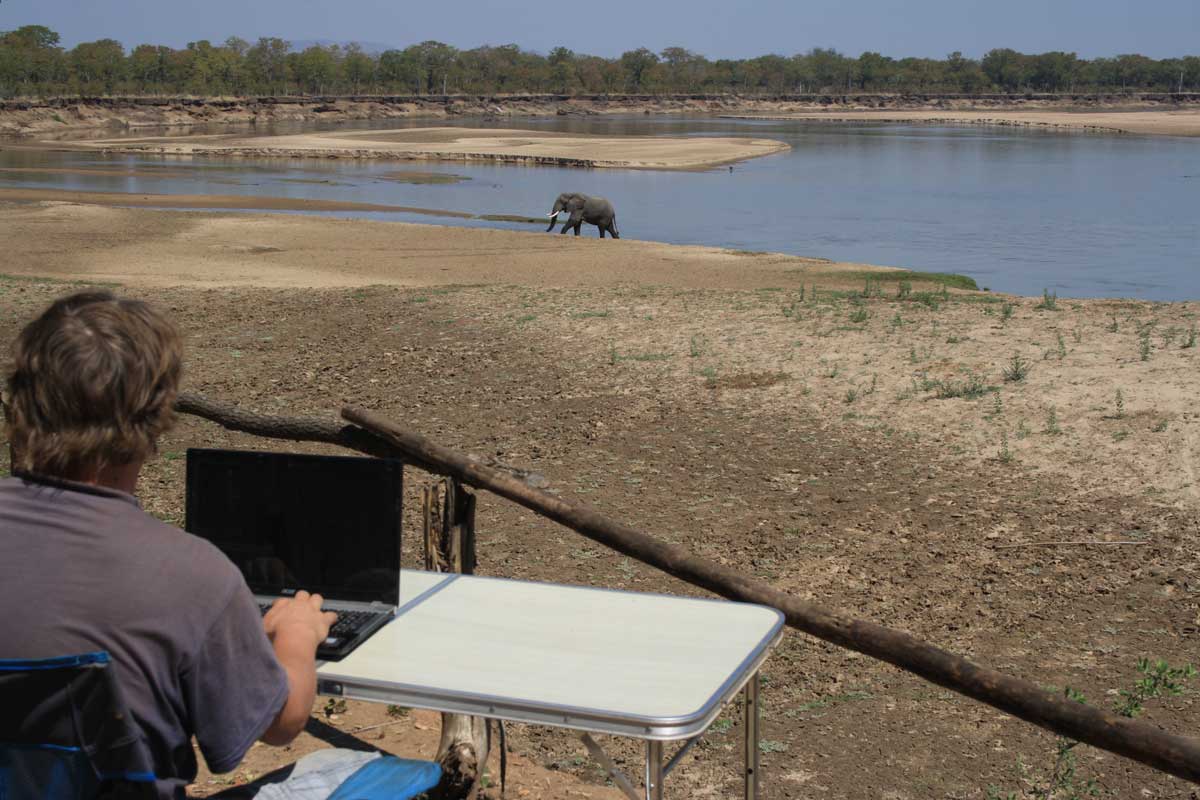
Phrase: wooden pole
pixel 309 429
pixel 449 528
pixel 1140 741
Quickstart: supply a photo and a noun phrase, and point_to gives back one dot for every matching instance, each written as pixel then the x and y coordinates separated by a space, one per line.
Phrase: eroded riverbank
pixel 79 114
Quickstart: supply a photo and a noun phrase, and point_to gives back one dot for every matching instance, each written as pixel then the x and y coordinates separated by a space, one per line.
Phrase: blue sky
pixel 716 28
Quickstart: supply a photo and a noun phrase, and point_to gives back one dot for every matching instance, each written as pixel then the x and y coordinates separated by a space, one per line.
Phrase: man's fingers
pixel 302 595
pixel 316 601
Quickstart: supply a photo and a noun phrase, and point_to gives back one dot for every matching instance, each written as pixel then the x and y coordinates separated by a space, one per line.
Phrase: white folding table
pixel 652 667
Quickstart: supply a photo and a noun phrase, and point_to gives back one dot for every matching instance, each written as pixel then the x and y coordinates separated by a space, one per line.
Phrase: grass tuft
pixel 1017 369
pixel 1049 301
pixel 970 388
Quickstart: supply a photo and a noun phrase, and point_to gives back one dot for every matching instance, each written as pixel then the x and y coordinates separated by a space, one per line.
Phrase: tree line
pixel 34 64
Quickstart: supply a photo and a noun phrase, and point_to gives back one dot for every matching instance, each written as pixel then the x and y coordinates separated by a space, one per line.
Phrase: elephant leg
pixel 601 229
pixel 578 225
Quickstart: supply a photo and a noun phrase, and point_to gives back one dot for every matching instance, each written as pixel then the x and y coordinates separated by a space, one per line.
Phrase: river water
pixel 1080 214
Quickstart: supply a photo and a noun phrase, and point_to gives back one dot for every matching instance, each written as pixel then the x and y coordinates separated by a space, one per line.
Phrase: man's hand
pixel 296 626
pixel 299 618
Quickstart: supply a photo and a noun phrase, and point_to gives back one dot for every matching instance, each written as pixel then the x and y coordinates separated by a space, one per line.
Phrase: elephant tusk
pixel 553 214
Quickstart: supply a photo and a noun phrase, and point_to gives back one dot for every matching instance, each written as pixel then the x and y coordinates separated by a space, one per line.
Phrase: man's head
pixel 91 386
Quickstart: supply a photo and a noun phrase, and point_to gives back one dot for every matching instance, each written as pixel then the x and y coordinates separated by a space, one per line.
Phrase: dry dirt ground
pixel 867 453
pixel 464 144
pixel 1175 122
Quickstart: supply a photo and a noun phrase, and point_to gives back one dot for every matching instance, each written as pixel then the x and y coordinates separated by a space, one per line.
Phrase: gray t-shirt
pixel 85 569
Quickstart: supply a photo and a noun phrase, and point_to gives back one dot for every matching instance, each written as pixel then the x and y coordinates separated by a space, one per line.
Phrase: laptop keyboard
pixel 348 622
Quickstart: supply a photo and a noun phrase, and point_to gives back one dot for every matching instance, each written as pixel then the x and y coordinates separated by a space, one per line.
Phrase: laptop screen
pixel 327 524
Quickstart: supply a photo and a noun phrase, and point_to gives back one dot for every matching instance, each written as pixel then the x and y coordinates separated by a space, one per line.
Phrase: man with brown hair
pixel 91 388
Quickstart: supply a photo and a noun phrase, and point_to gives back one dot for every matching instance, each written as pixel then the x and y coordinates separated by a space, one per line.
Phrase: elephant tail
pixel 613 227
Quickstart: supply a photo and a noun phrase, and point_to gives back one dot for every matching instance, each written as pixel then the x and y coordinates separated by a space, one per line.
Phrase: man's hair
pixel 92 384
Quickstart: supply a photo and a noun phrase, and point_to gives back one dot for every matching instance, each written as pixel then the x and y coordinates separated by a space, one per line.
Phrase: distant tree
pixel 1133 70
pixel 1052 72
pixel 562 69
pixel 267 65
pixel 399 71
pixel 1191 73
pixel 918 74
pixel 1005 68
pixel 98 67
pixel 964 74
pixel 148 67
pixel 683 70
pixel 768 73
pixel 434 61
pixel 875 71
pixel 30 58
pixel 598 75
pixel 359 68
pixel 637 66
pixel 827 69
pixel 315 69
pixel 198 64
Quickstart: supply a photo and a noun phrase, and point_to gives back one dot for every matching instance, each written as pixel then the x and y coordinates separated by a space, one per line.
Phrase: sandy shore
pixel 464 144
pixel 210 201
pixel 165 248
pixel 1164 122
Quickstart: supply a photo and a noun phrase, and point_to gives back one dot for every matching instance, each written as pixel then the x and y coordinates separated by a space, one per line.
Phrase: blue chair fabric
pixel 65 732
pixel 389 778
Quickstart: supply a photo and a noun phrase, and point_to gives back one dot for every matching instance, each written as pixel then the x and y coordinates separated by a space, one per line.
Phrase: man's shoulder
pixel 181 559
pixel 119 531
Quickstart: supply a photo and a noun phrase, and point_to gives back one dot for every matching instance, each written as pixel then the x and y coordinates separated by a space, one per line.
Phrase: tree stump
pixel 448 510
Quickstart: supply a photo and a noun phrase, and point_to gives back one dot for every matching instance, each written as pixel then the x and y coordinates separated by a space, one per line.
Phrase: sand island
pixel 463 144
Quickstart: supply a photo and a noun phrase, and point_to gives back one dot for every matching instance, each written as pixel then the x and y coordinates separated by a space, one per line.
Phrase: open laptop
pixel 325 524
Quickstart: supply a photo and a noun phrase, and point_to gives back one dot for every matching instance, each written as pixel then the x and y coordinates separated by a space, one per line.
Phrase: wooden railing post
pixel 448 513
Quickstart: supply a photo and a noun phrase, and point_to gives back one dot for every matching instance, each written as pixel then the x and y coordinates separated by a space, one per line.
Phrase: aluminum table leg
pixel 622 782
pixel 654 770
pixel 751 719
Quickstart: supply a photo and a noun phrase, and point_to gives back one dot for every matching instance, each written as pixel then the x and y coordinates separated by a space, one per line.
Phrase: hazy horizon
pixel 1101 28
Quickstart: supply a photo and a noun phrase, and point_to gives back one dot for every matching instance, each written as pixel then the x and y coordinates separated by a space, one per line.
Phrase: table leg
pixel 751 719
pixel 623 783
pixel 654 771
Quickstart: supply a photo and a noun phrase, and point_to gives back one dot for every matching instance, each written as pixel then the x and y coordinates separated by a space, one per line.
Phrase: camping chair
pixel 334 776
pixel 390 778
pixel 65 732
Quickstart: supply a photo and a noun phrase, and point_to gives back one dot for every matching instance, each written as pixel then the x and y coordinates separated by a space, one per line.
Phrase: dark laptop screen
pixel 327 524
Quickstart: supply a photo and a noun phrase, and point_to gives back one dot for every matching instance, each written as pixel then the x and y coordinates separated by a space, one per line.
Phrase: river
pixel 1018 210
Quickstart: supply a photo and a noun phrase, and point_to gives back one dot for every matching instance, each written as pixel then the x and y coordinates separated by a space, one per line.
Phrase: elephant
pixel 582 208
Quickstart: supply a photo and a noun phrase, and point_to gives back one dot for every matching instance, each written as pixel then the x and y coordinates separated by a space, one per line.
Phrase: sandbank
pixel 1163 123
pixel 463 144
pixel 225 201
pixel 146 247
pixel 236 202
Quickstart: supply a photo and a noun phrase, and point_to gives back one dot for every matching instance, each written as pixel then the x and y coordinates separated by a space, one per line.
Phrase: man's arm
pixel 296 626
